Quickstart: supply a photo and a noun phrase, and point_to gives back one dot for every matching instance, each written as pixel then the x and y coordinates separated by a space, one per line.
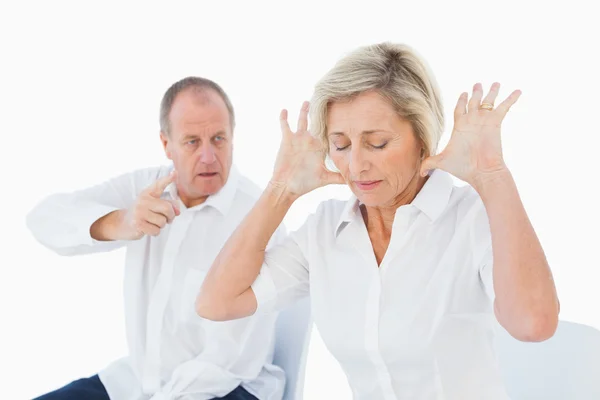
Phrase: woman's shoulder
pixel 327 215
pixel 470 210
pixel 466 200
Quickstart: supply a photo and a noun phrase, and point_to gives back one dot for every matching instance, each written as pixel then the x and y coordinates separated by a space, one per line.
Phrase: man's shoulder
pixel 247 189
pixel 150 173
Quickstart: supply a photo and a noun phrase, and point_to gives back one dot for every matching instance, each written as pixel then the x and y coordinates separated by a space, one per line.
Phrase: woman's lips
pixel 367 185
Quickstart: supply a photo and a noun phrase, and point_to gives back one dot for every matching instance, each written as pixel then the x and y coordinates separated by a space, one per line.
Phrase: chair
pixel 292 336
pixel 564 367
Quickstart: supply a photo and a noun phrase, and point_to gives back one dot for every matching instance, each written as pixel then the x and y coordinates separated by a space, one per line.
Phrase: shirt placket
pixel 373 309
pixel 372 338
pixel 151 381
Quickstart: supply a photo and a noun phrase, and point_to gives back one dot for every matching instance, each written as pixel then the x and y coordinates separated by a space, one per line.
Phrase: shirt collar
pixel 350 211
pixel 221 201
pixel 431 200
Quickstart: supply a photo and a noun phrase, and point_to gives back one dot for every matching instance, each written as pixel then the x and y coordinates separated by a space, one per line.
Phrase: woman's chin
pixel 370 199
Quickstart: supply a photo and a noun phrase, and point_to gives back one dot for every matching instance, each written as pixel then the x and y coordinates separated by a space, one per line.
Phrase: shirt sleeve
pixel 62 221
pixel 284 275
pixel 486 268
pixel 481 239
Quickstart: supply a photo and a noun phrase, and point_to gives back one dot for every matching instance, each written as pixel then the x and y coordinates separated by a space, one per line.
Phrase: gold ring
pixel 486 106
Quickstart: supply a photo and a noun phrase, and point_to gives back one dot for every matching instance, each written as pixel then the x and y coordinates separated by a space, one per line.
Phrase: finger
pixel 507 104
pixel 303 118
pixel 285 127
pixel 175 205
pixel 430 163
pixel 147 228
pixel 334 178
pixel 461 106
pixel 155 219
pixel 492 94
pixel 163 207
pixel 158 187
pixel 475 101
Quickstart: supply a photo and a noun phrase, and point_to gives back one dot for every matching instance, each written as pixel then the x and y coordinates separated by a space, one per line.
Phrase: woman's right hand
pixel 300 167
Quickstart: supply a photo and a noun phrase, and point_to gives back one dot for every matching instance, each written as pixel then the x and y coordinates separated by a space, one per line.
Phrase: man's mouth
pixel 207 174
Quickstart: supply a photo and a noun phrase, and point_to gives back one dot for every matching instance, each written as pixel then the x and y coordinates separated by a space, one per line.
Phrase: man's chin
pixel 207 189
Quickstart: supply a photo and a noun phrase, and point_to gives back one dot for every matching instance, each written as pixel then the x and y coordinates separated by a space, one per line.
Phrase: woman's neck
pixel 381 218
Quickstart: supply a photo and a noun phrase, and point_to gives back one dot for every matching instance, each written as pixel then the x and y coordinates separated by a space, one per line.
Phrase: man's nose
pixel 207 154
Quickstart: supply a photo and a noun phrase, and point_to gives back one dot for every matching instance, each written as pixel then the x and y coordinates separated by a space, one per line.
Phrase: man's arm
pixel 85 221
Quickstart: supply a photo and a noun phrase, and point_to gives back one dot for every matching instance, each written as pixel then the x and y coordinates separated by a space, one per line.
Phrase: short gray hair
pixel 398 74
pixel 191 82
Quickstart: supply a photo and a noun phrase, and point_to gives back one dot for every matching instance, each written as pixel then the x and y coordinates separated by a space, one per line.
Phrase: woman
pixel 405 277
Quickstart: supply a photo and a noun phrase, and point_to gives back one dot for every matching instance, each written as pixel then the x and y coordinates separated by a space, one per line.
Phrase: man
pixel 173 221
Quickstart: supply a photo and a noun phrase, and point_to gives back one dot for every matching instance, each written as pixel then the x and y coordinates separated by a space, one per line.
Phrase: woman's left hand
pixel 474 150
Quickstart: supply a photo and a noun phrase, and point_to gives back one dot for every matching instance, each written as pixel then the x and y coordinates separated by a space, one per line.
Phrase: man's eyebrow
pixel 190 136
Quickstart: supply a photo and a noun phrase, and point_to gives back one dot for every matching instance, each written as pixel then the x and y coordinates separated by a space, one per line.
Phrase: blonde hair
pixel 398 74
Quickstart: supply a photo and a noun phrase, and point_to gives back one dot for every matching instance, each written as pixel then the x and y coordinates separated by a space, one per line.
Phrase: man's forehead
pixel 199 96
pixel 200 113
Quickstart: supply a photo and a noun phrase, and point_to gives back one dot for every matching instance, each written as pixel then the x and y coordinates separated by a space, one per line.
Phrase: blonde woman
pixel 406 277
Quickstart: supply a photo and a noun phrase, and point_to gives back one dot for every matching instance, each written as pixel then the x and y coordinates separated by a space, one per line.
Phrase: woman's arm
pixel 526 303
pixel 226 292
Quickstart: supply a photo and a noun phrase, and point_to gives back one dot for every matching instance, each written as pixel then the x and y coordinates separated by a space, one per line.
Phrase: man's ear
pixel 164 138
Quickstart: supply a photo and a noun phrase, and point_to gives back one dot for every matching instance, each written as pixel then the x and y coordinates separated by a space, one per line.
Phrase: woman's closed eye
pixel 380 146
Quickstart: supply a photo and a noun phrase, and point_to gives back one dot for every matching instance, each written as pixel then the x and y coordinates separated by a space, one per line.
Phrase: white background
pixel 80 90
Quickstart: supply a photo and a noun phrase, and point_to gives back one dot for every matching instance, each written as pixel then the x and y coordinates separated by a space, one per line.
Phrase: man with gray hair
pixel 173 221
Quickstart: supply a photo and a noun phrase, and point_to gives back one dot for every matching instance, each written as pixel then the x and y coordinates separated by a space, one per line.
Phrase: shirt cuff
pixel 265 291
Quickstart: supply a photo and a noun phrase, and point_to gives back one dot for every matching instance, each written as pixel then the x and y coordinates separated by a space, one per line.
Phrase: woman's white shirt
pixel 419 326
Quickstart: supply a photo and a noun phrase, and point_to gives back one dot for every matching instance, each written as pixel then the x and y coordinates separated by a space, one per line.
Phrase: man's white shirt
pixel 173 353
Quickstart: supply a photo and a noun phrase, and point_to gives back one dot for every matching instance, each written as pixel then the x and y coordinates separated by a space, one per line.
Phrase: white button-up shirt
pixel 419 326
pixel 173 353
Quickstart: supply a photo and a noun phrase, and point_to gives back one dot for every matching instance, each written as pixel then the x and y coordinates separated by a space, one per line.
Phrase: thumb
pixel 334 178
pixel 176 208
pixel 430 163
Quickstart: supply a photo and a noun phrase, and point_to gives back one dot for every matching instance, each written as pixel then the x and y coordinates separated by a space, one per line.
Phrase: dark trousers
pixel 82 389
pixel 92 389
